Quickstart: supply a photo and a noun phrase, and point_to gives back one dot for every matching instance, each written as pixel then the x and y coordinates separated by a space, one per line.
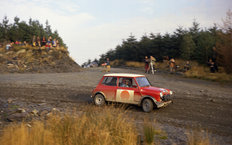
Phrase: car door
pixel 109 87
pixel 127 93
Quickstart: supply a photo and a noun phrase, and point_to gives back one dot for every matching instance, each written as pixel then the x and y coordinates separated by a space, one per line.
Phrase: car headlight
pixel 171 92
pixel 161 94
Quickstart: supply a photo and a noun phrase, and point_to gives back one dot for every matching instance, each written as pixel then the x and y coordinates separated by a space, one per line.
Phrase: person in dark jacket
pixel 211 66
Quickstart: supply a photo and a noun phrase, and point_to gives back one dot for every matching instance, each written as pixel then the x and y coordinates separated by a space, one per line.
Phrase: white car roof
pixel 124 75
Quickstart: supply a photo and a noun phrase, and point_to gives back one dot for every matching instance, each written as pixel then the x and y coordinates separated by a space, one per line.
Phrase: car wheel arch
pixel 148 97
pixel 101 94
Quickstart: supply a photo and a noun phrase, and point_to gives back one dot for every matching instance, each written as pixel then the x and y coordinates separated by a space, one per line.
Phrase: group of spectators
pixel 150 65
pixel 49 43
pixel 173 67
pixel 36 42
pixel 9 45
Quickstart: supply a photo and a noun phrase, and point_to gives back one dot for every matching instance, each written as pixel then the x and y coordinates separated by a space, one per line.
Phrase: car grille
pixel 166 97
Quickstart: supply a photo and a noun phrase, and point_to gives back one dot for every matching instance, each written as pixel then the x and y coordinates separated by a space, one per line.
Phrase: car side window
pixel 110 81
pixel 127 82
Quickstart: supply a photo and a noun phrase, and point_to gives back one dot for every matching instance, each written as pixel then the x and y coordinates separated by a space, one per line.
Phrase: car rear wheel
pixel 99 100
pixel 147 105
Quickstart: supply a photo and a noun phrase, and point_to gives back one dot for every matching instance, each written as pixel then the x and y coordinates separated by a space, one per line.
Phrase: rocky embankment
pixel 31 59
pixel 14 110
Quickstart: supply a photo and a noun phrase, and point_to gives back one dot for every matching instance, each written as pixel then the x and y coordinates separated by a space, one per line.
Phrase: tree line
pixel 23 31
pixel 194 44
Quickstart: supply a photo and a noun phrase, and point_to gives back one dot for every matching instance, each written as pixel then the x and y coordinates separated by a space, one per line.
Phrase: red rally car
pixel 131 89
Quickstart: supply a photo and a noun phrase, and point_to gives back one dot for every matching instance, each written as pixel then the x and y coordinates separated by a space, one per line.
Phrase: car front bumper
pixel 163 104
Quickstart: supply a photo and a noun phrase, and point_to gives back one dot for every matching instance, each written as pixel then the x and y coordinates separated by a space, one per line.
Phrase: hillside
pixel 23 59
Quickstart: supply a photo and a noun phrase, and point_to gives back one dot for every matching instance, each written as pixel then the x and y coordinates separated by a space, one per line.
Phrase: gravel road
pixel 198 104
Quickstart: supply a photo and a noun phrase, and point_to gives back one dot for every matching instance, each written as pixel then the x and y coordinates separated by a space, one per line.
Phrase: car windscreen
pixel 142 81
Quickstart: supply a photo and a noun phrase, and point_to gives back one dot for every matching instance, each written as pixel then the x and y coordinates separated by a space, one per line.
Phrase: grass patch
pixel 134 64
pixel 163 137
pixel 101 126
pixel 202 72
pixel 96 126
pixel 195 138
pixel 14 106
pixel 149 133
pixel 153 133
pixel 117 62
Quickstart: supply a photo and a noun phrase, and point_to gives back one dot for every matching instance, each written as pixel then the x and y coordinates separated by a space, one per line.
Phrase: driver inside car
pixel 126 83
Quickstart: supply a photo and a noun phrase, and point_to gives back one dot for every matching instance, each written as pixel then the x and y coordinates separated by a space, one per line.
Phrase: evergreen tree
pixel 194 30
pixel 187 47
pixel 130 48
pixel 177 39
pixel 48 29
pixel 5 28
pixel 224 43
pixel 145 45
pixel 204 48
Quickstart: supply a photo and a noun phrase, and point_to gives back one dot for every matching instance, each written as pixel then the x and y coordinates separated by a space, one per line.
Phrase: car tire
pixel 147 105
pixel 99 100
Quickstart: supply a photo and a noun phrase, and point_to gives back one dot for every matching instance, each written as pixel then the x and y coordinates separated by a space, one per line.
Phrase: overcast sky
pixel 92 27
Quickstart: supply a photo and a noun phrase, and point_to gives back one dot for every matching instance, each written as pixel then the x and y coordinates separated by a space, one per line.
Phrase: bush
pixel 149 133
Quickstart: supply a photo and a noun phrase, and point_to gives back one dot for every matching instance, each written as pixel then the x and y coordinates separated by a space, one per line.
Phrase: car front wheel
pixel 99 100
pixel 147 105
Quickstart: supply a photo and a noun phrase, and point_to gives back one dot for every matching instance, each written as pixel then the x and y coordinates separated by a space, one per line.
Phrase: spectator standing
pixel 146 61
pixel 152 64
pixel 34 41
pixel 49 40
pixel 172 65
pixel 38 42
pixel 54 43
pixel 107 65
pixel 44 41
pixel 211 66
pixel 187 66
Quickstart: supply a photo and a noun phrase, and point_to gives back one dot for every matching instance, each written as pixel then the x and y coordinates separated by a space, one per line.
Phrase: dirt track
pixel 197 104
